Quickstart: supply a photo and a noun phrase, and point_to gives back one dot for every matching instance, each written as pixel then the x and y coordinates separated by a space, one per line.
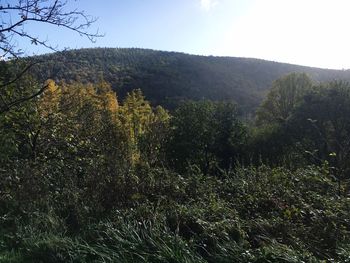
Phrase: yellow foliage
pixel 136 114
pixel 111 102
pixel 88 108
pixel 138 119
pixel 49 101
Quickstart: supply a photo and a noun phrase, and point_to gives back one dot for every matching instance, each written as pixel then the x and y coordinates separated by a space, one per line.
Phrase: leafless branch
pixel 15 17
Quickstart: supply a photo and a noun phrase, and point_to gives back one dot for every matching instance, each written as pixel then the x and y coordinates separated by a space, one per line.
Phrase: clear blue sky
pixel 306 32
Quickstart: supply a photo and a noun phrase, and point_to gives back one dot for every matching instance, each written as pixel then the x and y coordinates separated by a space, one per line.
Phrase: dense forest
pixel 103 166
pixel 167 78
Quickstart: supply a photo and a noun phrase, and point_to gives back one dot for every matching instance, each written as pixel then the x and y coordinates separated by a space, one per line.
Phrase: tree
pixel 285 94
pixel 321 124
pixel 15 89
pixel 139 121
pixel 152 142
pixel 231 135
pixel 205 134
pixel 271 140
pixel 15 17
pixel 17 130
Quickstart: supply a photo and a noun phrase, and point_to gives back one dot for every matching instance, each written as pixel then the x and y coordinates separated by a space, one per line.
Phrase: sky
pixel 305 32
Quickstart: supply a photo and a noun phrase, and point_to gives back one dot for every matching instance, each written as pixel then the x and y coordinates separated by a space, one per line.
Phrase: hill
pixel 167 78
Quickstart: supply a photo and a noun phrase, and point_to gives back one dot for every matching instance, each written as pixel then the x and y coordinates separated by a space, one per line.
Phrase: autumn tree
pixel 139 120
pixel 82 136
pixel 153 141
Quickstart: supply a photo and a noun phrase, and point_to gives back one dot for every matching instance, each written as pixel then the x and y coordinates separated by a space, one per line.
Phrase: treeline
pixel 88 177
pixel 168 78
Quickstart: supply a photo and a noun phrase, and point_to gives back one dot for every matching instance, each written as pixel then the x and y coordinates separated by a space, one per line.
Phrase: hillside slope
pixel 169 77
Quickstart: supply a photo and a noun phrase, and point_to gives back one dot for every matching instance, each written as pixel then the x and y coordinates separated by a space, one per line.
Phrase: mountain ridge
pixel 187 53
pixel 168 77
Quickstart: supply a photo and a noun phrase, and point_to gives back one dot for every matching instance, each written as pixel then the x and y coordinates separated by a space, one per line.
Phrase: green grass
pixel 250 215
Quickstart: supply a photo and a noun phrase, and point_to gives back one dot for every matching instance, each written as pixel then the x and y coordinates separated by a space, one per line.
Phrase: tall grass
pixel 249 215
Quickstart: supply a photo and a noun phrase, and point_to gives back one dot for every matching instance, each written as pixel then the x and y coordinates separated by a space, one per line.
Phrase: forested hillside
pixel 166 78
pixel 86 176
pixel 130 155
pixel 127 155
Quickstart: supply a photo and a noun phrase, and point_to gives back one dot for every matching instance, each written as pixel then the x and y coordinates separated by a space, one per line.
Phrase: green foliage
pixel 84 178
pixel 205 134
pixel 323 118
pixel 168 78
pixel 284 96
pixel 251 215
pixel 301 124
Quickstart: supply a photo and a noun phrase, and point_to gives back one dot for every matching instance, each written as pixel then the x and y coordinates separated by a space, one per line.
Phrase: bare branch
pixel 51 12
pixel 14 18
